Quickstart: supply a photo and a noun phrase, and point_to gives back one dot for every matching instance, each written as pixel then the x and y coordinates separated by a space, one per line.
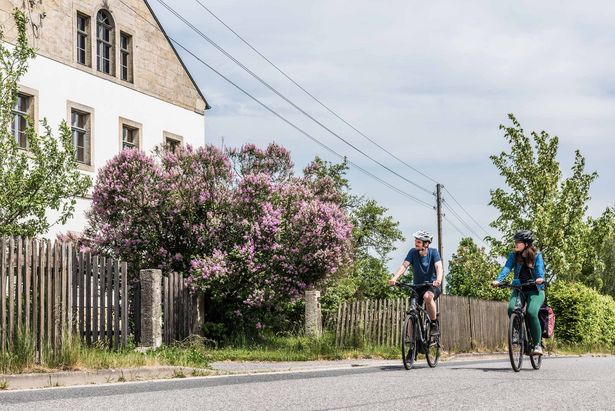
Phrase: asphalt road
pixel 562 383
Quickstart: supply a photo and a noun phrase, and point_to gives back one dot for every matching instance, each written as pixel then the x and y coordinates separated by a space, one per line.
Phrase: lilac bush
pixel 239 225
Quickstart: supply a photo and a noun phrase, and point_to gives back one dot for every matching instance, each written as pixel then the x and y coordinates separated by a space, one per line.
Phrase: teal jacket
pixel 537 272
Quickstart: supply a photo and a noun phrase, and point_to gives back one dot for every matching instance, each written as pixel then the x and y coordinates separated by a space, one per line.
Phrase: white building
pixel 109 70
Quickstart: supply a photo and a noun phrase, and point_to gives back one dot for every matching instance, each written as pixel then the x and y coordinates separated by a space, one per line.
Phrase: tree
pixel 599 267
pixel 43 176
pixel 471 271
pixel 374 234
pixel 238 225
pixel 607 255
pixel 539 198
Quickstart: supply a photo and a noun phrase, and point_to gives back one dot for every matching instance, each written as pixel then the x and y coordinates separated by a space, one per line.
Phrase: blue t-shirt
pixel 423 267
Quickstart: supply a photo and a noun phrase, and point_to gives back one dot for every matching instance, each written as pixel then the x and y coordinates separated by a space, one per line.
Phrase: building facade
pixel 107 68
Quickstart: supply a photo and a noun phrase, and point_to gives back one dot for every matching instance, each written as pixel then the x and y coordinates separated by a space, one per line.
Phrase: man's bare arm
pixel 439 274
pixel 400 271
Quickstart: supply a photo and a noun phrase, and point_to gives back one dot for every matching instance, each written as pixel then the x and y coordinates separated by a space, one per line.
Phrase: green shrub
pixel 583 316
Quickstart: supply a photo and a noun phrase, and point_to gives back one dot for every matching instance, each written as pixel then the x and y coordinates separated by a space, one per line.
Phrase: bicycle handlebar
pixel 413 286
pixel 508 285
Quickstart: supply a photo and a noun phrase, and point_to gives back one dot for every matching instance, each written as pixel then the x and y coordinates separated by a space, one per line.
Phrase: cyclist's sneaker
pixel 537 350
pixel 434 329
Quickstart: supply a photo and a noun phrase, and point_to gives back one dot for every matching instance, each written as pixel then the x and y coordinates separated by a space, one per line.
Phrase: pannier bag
pixel 547 321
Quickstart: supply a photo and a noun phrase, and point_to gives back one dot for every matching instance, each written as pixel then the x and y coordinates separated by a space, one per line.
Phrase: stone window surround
pixel 117 28
pixel 167 135
pixel 71 105
pixel 132 124
pixel 30 92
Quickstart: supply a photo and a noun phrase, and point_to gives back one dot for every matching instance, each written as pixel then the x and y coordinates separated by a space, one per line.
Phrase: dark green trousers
pixel 533 301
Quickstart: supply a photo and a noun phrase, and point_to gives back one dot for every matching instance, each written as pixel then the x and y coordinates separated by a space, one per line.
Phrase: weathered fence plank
pixel 124 302
pixel 88 298
pixel 3 286
pixel 11 290
pixel 95 297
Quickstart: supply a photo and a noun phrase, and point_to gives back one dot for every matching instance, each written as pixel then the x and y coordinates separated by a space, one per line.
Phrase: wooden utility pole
pixel 440 241
pixel 439 212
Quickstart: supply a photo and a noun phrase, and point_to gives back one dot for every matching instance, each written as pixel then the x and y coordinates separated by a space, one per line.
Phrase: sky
pixel 429 81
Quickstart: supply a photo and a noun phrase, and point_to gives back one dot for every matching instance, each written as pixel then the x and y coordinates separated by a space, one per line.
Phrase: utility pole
pixel 439 213
pixel 440 241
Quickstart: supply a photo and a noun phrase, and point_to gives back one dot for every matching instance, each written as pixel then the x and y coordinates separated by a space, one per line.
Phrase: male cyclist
pixel 426 267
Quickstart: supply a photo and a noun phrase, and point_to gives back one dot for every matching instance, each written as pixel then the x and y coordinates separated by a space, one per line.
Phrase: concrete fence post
pixel 198 313
pixel 151 308
pixel 313 315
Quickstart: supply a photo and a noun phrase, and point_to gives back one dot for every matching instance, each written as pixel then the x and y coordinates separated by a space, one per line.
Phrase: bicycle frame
pixel 520 310
pixel 419 313
pixel 525 336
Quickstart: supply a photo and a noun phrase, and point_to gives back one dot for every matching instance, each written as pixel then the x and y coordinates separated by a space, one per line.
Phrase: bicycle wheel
pixel 432 350
pixel 536 361
pixel 408 343
pixel 515 341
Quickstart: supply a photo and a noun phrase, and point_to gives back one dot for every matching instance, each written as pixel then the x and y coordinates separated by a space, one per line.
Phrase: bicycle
pixel 519 338
pixel 416 332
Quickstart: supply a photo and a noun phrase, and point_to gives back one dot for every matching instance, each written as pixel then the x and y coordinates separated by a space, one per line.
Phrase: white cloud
pixel 429 80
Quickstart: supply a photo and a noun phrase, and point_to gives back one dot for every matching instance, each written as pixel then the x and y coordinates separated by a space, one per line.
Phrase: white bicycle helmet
pixel 423 236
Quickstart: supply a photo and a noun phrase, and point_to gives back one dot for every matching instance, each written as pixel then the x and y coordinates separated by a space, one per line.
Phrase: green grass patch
pixel 566 348
pixel 195 353
pixel 296 348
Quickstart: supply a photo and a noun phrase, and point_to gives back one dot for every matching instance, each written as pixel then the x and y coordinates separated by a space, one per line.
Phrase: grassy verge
pixel 193 353
pixel 294 348
pixel 557 347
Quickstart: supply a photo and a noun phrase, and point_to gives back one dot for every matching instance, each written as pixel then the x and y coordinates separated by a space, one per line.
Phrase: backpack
pixel 547 321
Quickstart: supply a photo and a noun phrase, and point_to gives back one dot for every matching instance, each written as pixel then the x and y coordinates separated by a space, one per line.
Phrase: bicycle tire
pixel 408 342
pixel 536 361
pixel 432 350
pixel 516 341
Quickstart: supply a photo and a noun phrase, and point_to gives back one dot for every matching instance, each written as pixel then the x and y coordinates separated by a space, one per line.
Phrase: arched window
pixel 104 42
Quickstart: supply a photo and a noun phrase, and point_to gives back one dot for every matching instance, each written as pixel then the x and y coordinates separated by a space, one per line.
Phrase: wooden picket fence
pixel 49 291
pixel 465 323
pixel 177 311
pixel 100 300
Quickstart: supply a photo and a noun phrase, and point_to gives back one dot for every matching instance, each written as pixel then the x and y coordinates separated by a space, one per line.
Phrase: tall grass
pixel 23 354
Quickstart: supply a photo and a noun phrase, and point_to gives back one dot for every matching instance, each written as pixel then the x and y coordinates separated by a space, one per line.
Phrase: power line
pixel 463 222
pixel 419 201
pixel 392 187
pixel 469 215
pixel 460 219
pixel 330 110
pixel 271 88
pixel 455 227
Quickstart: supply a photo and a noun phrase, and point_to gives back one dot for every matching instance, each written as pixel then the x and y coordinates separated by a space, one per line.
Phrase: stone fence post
pixel 313 315
pixel 151 308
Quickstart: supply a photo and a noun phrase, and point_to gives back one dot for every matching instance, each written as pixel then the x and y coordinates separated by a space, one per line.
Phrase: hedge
pixel 583 316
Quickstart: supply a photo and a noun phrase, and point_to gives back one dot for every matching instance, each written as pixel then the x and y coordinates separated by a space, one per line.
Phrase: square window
pixel 130 134
pixel 172 141
pixel 130 137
